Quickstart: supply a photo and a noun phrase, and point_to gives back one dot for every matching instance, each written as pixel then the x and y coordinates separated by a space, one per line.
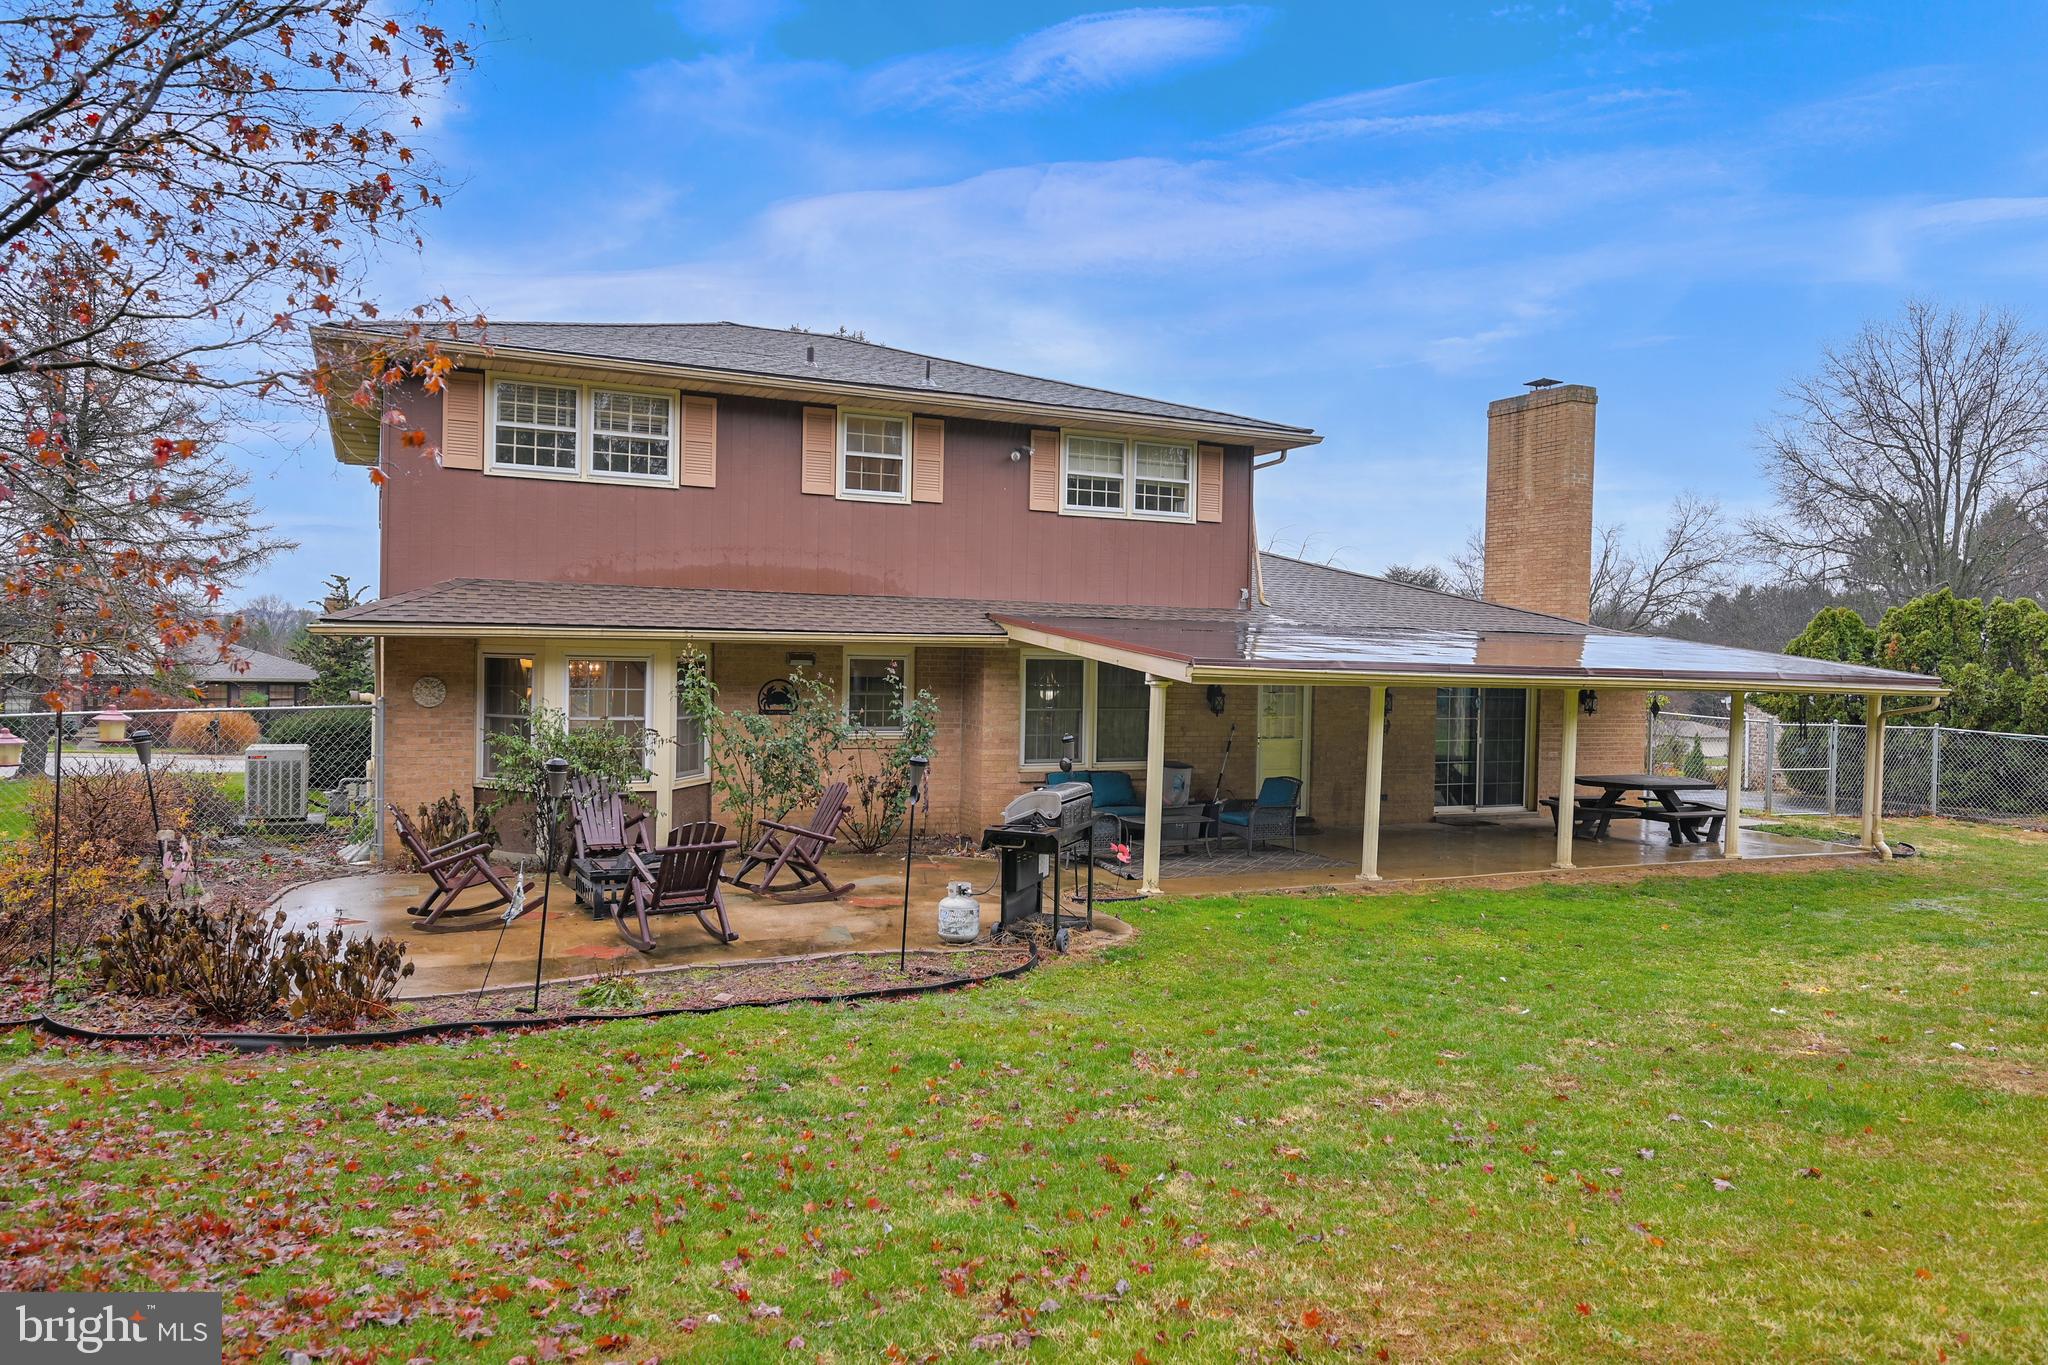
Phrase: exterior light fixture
pixel 1066 753
pixel 805 660
pixel 1589 701
pixel 1217 698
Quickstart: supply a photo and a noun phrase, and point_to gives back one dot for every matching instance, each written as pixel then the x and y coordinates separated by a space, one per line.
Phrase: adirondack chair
pixel 455 867
pixel 683 879
pixel 795 850
pixel 603 830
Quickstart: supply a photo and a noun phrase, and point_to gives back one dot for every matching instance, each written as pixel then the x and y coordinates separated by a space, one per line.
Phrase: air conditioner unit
pixel 279 781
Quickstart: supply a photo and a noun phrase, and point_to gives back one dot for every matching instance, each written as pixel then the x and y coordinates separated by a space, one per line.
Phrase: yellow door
pixel 1283 736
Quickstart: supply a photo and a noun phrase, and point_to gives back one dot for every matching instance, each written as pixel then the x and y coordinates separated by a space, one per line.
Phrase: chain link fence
pixel 1817 768
pixel 280 773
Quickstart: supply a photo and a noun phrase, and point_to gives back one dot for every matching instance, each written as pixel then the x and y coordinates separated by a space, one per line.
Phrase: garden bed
pixel 682 990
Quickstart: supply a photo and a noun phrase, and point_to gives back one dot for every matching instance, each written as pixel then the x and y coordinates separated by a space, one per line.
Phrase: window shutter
pixel 928 460
pixel 1045 471
pixel 462 421
pixel 700 443
pixel 1209 483
pixel 821 450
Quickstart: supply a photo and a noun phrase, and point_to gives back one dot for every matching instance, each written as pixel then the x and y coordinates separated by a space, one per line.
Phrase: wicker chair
pixel 1267 818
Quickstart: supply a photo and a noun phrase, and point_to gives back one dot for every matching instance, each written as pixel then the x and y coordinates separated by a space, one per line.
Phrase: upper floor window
pixel 874 455
pixel 536 426
pixel 629 433
pixel 1118 477
pixel 1095 474
pixel 576 431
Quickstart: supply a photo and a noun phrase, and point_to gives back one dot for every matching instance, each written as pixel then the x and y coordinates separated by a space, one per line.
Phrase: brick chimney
pixel 1539 500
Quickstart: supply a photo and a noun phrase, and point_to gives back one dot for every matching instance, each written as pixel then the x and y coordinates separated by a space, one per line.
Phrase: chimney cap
pixel 1541 383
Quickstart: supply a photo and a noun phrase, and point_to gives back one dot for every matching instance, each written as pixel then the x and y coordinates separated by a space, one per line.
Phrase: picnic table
pixel 1688 821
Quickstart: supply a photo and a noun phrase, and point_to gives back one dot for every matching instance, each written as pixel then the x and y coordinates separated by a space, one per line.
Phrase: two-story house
pixel 1046 558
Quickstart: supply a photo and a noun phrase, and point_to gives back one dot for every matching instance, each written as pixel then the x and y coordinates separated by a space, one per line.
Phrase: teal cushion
pixel 1279 791
pixel 1235 817
pixel 1113 789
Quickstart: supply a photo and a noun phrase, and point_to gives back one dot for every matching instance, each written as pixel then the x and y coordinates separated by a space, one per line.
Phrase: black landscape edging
pixel 274 1042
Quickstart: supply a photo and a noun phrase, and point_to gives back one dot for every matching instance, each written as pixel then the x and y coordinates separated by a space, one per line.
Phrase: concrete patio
pixel 452 955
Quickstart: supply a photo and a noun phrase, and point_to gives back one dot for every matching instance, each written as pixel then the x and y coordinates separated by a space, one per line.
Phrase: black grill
pixel 1041 830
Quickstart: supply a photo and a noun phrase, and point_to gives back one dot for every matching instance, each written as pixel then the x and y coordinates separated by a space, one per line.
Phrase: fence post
pixel 1834 761
pixel 1770 762
pixel 1934 771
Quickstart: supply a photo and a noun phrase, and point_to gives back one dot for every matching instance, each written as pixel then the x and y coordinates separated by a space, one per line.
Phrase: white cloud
pixel 1095 52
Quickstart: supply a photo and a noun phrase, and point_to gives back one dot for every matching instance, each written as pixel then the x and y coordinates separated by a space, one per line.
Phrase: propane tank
pixel 959 914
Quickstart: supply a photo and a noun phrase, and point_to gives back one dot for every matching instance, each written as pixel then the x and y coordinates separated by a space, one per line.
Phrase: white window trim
pixel 677 777
pixel 1085 737
pixel 498 650
pixel 1130 439
pixel 573 655
pixel 840 452
pixel 586 434
pixel 908 658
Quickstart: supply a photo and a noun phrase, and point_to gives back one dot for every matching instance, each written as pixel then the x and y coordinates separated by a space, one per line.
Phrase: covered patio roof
pixel 1272 648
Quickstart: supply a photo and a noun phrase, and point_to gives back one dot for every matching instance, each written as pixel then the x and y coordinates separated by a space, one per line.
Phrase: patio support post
pixel 1873 776
pixel 1567 776
pixel 1375 756
pixel 663 759
pixel 1738 760
pixel 1155 778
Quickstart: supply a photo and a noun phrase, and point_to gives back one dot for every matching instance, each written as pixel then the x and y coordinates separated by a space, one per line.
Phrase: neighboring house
pixel 249 677
pixel 1044 557
pixel 246 677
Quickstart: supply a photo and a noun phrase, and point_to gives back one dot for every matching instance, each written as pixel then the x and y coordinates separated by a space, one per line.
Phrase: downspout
pixel 1258 564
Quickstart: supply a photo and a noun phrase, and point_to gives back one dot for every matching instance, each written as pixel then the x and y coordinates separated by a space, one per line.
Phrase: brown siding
pixel 755 530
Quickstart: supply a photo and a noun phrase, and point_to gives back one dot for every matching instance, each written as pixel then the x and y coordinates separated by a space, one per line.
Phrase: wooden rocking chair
pixel 602 832
pixel 795 850
pixel 455 867
pixel 684 879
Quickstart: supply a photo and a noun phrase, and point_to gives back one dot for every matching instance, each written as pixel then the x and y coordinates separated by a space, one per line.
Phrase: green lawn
pixel 1719 1117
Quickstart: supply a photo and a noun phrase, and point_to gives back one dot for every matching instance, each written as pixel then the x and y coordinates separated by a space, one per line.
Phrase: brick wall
pixel 1613 740
pixel 1539 501
pixel 429 752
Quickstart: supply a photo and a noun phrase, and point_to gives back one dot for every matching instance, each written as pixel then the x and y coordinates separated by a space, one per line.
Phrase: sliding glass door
pixel 1482 747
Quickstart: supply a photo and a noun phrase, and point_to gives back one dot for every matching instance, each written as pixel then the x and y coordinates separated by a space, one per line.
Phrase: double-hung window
pixel 630 433
pixel 876 686
pixel 1095 474
pixel 1164 474
pixel 1115 476
pixel 536 425
pixel 1055 699
pixel 874 456
pixel 609 693
pixel 508 702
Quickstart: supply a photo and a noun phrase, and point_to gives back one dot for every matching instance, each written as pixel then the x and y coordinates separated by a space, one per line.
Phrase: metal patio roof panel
pixel 1279 646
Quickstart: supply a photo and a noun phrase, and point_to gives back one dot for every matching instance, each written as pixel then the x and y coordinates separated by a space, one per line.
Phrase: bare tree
pixel 272 623
pixel 1643 586
pixel 131 523
pixel 1465 576
pixel 1915 459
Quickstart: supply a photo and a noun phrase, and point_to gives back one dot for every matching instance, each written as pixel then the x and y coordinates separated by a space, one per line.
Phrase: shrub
pixel 598 751
pixel 764 766
pixel 215 732
pixel 234 965
pixel 878 771
pixel 444 821
pixel 87 893
pixel 338 742
pixel 337 981
pixel 107 807
pixel 1695 764
pixel 617 989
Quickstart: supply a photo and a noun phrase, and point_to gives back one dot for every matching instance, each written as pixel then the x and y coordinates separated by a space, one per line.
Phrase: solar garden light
pixel 1066 753
pixel 919 764
pixel 554 780
pixel 144 742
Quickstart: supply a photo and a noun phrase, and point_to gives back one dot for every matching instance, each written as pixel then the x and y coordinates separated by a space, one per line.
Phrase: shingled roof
pixel 802 358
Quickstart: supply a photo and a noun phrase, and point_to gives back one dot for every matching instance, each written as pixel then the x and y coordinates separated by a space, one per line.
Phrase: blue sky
pixel 1367 217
